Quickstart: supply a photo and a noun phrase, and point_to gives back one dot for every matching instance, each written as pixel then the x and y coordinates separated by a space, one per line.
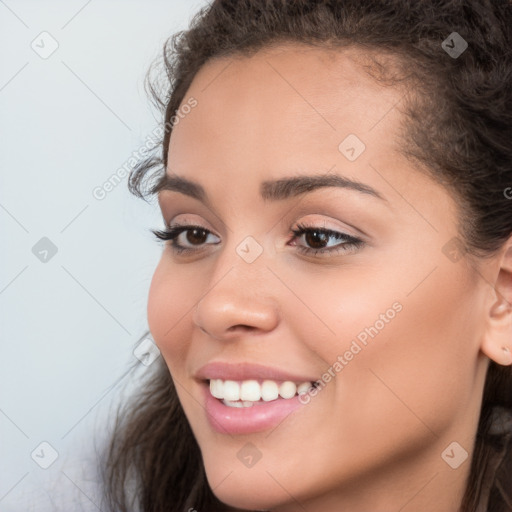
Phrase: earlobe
pixel 497 341
pixel 507 355
pixel 499 354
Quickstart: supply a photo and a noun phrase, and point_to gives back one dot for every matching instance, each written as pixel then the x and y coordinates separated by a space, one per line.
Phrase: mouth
pixel 251 406
pixel 242 397
pixel 248 393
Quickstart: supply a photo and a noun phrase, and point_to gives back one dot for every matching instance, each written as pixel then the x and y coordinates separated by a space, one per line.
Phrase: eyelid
pixel 331 210
pixel 347 243
pixel 321 223
pixel 189 220
pixel 346 240
pixel 332 224
pixel 175 210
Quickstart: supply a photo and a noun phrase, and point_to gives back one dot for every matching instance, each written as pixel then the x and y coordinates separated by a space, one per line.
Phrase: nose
pixel 238 302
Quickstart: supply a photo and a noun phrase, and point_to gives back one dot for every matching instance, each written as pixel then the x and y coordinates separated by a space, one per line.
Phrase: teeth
pixel 247 392
pixel 250 390
pixel 216 388
pixel 231 390
pixel 303 388
pixel 287 389
pixel 238 404
pixel 269 390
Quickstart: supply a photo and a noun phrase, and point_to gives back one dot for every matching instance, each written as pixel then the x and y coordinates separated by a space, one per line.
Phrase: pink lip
pixel 246 420
pixel 245 371
pixel 262 415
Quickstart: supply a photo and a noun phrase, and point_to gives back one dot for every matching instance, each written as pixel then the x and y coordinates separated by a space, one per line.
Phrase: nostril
pixel 241 327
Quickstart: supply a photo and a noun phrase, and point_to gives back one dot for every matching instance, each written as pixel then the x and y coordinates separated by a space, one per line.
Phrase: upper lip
pixel 246 371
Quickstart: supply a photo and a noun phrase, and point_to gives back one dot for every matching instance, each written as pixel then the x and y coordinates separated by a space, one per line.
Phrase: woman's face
pixel 390 326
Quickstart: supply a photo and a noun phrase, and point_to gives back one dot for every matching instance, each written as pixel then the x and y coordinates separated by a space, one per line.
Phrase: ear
pixel 497 340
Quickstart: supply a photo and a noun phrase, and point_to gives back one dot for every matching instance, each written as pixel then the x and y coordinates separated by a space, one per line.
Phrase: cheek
pixel 336 310
pixel 407 344
pixel 167 308
pixel 415 372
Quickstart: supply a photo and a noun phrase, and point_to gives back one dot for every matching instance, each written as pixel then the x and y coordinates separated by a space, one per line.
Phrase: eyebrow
pixel 272 190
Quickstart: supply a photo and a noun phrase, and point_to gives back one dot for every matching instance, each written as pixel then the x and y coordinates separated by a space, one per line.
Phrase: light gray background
pixel 69 325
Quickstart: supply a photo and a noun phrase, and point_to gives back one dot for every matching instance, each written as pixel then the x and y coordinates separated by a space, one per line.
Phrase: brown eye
pixel 193 236
pixel 196 236
pixel 316 239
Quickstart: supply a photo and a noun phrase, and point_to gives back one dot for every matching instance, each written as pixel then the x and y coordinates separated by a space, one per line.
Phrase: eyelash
pixel 351 242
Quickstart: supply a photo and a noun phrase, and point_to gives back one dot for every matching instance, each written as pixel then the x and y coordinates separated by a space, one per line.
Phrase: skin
pixel 372 438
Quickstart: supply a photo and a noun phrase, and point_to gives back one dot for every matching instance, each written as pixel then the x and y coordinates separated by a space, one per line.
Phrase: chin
pixel 246 488
pixel 253 499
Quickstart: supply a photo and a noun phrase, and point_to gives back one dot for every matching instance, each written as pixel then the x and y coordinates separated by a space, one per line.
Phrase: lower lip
pixel 245 420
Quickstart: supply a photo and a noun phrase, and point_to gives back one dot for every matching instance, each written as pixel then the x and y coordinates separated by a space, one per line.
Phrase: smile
pixel 242 397
pixel 250 392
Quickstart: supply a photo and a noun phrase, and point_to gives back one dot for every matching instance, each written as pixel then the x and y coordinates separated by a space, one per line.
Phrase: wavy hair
pixel 458 129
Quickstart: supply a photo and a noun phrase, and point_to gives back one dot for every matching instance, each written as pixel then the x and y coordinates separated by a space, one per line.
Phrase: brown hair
pixel 459 129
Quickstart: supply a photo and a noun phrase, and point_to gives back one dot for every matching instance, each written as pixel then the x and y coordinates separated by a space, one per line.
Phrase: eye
pixel 319 238
pixel 194 235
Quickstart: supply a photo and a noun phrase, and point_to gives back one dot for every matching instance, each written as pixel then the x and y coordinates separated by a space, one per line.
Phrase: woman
pixel 333 302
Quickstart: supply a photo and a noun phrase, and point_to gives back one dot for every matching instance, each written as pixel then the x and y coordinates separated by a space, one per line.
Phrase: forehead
pixel 281 110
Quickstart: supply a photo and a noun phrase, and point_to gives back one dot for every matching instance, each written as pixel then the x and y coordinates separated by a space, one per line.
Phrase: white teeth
pixel 231 390
pixel 302 388
pixel 238 404
pixel 216 388
pixel 287 389
pixel 250 390
pixel 269 390
pixel 247 392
